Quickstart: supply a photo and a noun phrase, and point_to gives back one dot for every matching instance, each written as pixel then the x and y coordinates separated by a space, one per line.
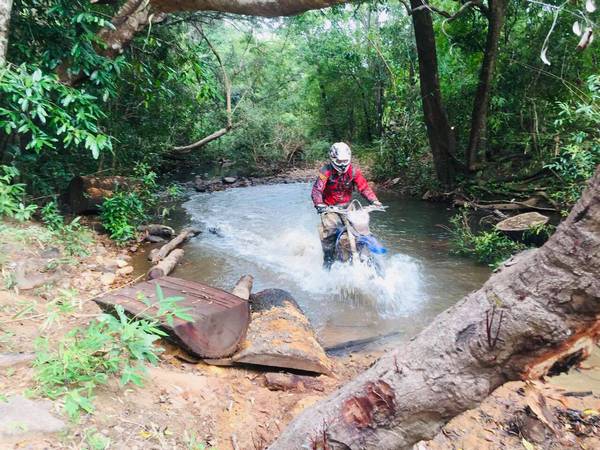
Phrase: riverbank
pixel 183 403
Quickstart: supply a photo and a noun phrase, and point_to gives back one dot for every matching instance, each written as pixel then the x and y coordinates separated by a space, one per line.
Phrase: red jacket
pixel 334 188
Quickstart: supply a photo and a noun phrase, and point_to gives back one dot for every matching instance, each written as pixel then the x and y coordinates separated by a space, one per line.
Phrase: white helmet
pixel 340 155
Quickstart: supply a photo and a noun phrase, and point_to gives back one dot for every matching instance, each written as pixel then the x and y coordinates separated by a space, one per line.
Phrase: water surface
pixel 271 233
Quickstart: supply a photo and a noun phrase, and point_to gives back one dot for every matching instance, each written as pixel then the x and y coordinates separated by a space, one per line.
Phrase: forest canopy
pixel 486 95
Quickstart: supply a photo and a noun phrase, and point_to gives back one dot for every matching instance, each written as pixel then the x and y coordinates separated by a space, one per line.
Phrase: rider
pixel 334 187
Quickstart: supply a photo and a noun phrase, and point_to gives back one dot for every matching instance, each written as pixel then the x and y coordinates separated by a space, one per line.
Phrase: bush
pixel 74 237
pixel 108 346
pixel 12 194
pixel 487 247
pixel 121 214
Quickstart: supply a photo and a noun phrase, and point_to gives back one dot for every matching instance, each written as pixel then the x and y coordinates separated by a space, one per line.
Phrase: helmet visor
pixel 340 163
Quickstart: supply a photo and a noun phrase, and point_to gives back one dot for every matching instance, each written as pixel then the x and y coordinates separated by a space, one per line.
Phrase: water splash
pixel 282 238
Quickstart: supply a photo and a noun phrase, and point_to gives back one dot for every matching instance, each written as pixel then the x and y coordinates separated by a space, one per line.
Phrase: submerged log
pixel 243 288
pixel 537 315
pixel 220 319
pixel 85 194
pixel 166 266
pixel 160 254
pixel 281 336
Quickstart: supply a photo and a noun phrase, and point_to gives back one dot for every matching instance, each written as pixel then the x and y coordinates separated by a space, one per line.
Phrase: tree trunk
pixel 540 314
pixel 439 132
pixel 478 135
pixel 5 10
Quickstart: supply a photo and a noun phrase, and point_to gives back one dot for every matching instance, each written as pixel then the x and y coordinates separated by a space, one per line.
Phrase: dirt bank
pixel 181 405
pixel 188 405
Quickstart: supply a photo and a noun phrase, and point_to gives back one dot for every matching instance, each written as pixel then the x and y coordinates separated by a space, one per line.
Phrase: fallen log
pixel 160 254
pixel 220 319
pixel 85 194
pixel 537 315
pixel 166 266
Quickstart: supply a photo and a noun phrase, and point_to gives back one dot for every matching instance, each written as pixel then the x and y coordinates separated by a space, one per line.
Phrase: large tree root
pixel 540 313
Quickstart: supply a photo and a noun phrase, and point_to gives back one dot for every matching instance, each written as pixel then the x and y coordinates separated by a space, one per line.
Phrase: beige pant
pixel 330 222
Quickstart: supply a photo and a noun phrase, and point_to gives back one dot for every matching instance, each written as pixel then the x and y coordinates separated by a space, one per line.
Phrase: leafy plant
pixel 96 440
pixel 74 237
pixel 109 346
pixel 45 112
pixel 121 214
pixel 12 194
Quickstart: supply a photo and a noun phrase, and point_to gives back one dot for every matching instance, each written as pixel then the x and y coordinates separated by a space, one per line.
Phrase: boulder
pixel 229 180
pixel 516 227
pixel 280 335
pixel 107 278
pixel 85 194
pixel 22 417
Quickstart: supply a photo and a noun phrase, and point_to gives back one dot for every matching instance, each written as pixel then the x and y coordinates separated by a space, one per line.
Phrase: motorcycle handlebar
pixel 346 210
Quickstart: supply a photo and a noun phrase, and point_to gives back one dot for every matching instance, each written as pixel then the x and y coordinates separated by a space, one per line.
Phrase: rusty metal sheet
pixel 220 319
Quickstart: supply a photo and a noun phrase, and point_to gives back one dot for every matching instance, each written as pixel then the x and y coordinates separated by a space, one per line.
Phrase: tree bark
pixel 439 132
pixel 540 314
pixel 5 10
pixel 478 137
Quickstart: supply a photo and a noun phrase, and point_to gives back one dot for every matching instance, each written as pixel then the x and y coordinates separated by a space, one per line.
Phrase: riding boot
pixel 328 258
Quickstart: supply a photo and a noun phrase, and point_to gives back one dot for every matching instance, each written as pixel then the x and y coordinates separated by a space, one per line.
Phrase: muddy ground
pixel 187 405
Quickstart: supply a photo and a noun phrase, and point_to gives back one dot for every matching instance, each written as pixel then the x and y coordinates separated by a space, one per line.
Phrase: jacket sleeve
pixel 363 186
pixel 319 186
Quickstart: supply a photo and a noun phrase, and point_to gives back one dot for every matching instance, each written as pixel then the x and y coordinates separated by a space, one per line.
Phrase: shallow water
pixel 271 233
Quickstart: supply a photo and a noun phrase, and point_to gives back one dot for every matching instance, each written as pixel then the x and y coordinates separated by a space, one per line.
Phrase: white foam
pixel 281 236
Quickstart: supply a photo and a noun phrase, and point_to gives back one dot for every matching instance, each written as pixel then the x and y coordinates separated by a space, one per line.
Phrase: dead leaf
pixel 538 405
pixel 528 445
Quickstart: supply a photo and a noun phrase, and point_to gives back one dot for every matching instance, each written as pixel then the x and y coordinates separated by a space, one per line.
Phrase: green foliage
pixel 95 440
pixel 109 346
pixel 73 237
pixel 487 247
pixel 46 112
pixel 12 194
pixel 122 214
pixel 578 138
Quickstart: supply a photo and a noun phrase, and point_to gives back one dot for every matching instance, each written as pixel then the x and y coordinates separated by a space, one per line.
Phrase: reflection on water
pixel 270 232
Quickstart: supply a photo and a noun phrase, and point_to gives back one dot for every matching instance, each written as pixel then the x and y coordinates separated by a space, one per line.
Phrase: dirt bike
pixel 354 240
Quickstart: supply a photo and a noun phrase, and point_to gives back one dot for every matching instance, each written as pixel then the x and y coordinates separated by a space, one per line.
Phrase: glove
pixel 321 208
pixel 376 203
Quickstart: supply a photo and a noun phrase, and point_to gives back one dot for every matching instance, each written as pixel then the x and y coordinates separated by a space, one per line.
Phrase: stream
pixel 270 232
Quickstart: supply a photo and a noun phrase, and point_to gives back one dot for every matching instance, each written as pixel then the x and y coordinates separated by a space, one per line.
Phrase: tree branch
pixel 455 15
pixel 228 111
